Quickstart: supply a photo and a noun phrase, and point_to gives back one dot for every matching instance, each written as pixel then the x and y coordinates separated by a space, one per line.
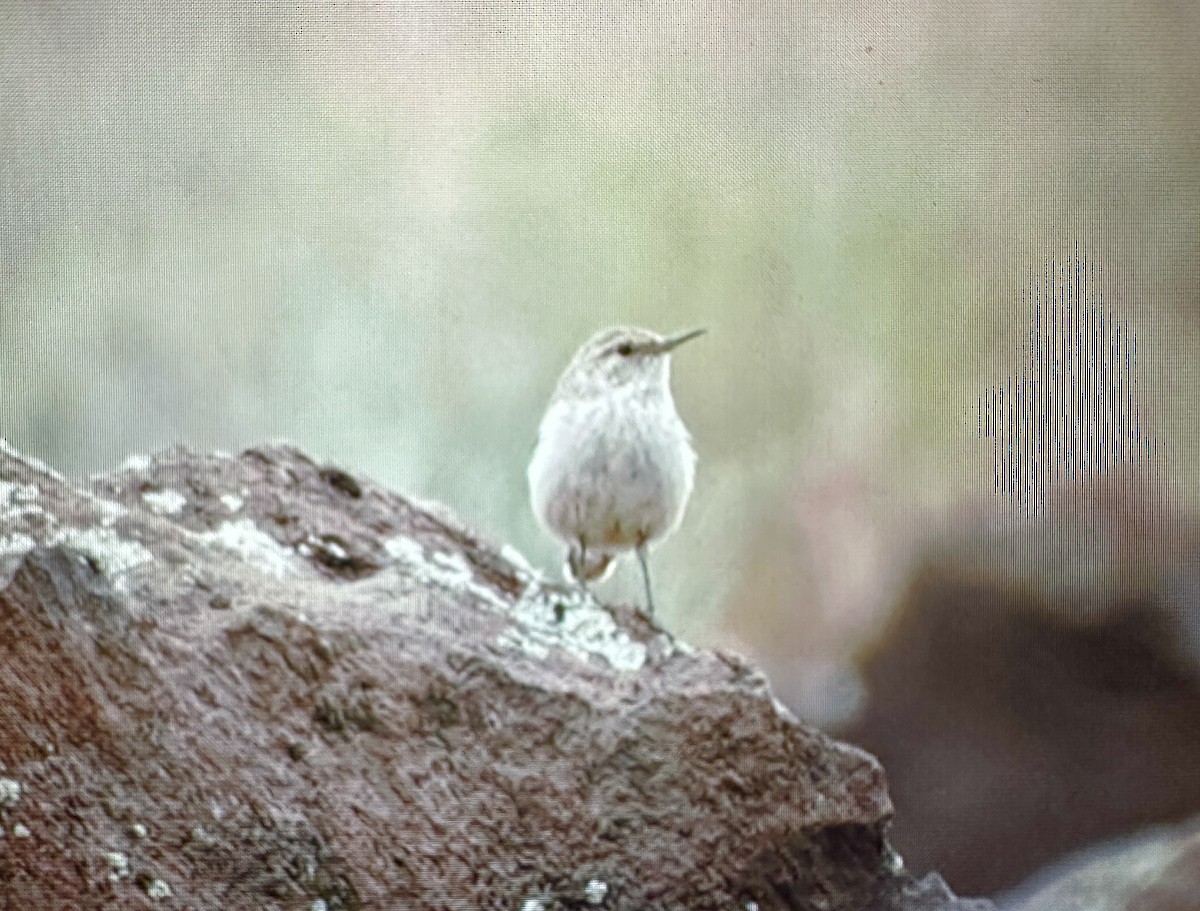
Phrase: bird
pixel 613 467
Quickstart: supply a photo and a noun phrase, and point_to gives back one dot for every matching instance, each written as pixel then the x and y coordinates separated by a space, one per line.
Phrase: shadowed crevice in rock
pixel 256 682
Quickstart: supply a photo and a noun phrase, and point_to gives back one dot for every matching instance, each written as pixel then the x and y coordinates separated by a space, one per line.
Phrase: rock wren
pixel 613 467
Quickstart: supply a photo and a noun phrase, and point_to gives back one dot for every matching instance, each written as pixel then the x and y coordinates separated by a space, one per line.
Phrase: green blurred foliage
pixel 381 230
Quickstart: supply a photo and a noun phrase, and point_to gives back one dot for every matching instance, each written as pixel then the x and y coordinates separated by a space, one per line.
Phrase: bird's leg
pixel 641 555
pixel 577 560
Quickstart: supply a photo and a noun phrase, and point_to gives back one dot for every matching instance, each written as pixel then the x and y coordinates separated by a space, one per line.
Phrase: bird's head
pixel 622 357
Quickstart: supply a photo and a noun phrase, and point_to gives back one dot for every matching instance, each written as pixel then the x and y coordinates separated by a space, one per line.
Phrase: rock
pixel 1156 870
pixel 263 683
pixel 1038 687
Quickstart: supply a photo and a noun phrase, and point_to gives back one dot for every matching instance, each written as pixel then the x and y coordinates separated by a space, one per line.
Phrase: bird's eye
pixel 625 349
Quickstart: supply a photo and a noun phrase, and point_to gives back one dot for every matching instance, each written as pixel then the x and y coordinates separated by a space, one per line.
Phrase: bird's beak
pixel 674 341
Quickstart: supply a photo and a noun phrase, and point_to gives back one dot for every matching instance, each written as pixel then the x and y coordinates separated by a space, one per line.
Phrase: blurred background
pixel 379 230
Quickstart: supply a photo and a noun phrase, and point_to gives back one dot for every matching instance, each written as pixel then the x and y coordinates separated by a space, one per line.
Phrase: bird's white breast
pixel 615 470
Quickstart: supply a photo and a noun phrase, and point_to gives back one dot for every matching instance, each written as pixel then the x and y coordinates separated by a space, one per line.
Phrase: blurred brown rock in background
pixel 1155 870
pixel 1038 687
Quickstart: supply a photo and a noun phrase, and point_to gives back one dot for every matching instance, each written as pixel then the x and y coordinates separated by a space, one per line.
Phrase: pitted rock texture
pixel 257 682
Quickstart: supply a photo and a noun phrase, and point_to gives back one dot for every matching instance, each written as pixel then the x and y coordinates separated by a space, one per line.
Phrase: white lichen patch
pixel 156 888
pixel 137 830
pixel 319 904
pixel 136 462
pixel 108 510
pixel 893 860
pixel 202 836
pixel 454 569
pixel 533 904
pixel 17 500
pixel 680 647
pixel 16 545
pixel 329 547
pixel 255 546
pixel 113 555
pixel 15 494
pixel 783 711
pixel 36 464
pixel 449 571
pixel 583 630
pixel 165 502
pixel 11 515
pixel 20 831
pixel 595 891
pixel 118 865
pixel 543 620
pixel 10 792
pixel 232 502
pixel 519 563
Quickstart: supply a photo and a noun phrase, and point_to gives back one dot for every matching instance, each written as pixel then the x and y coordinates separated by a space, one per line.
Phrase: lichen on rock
pixel 323 695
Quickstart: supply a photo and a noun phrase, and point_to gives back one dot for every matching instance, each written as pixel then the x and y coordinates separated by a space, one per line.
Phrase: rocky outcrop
pixel 258 682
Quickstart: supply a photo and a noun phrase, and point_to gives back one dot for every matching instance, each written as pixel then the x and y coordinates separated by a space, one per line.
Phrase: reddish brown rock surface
pixel 256 682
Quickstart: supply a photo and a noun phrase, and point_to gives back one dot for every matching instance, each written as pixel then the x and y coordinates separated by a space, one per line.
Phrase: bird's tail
pixel 588 566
